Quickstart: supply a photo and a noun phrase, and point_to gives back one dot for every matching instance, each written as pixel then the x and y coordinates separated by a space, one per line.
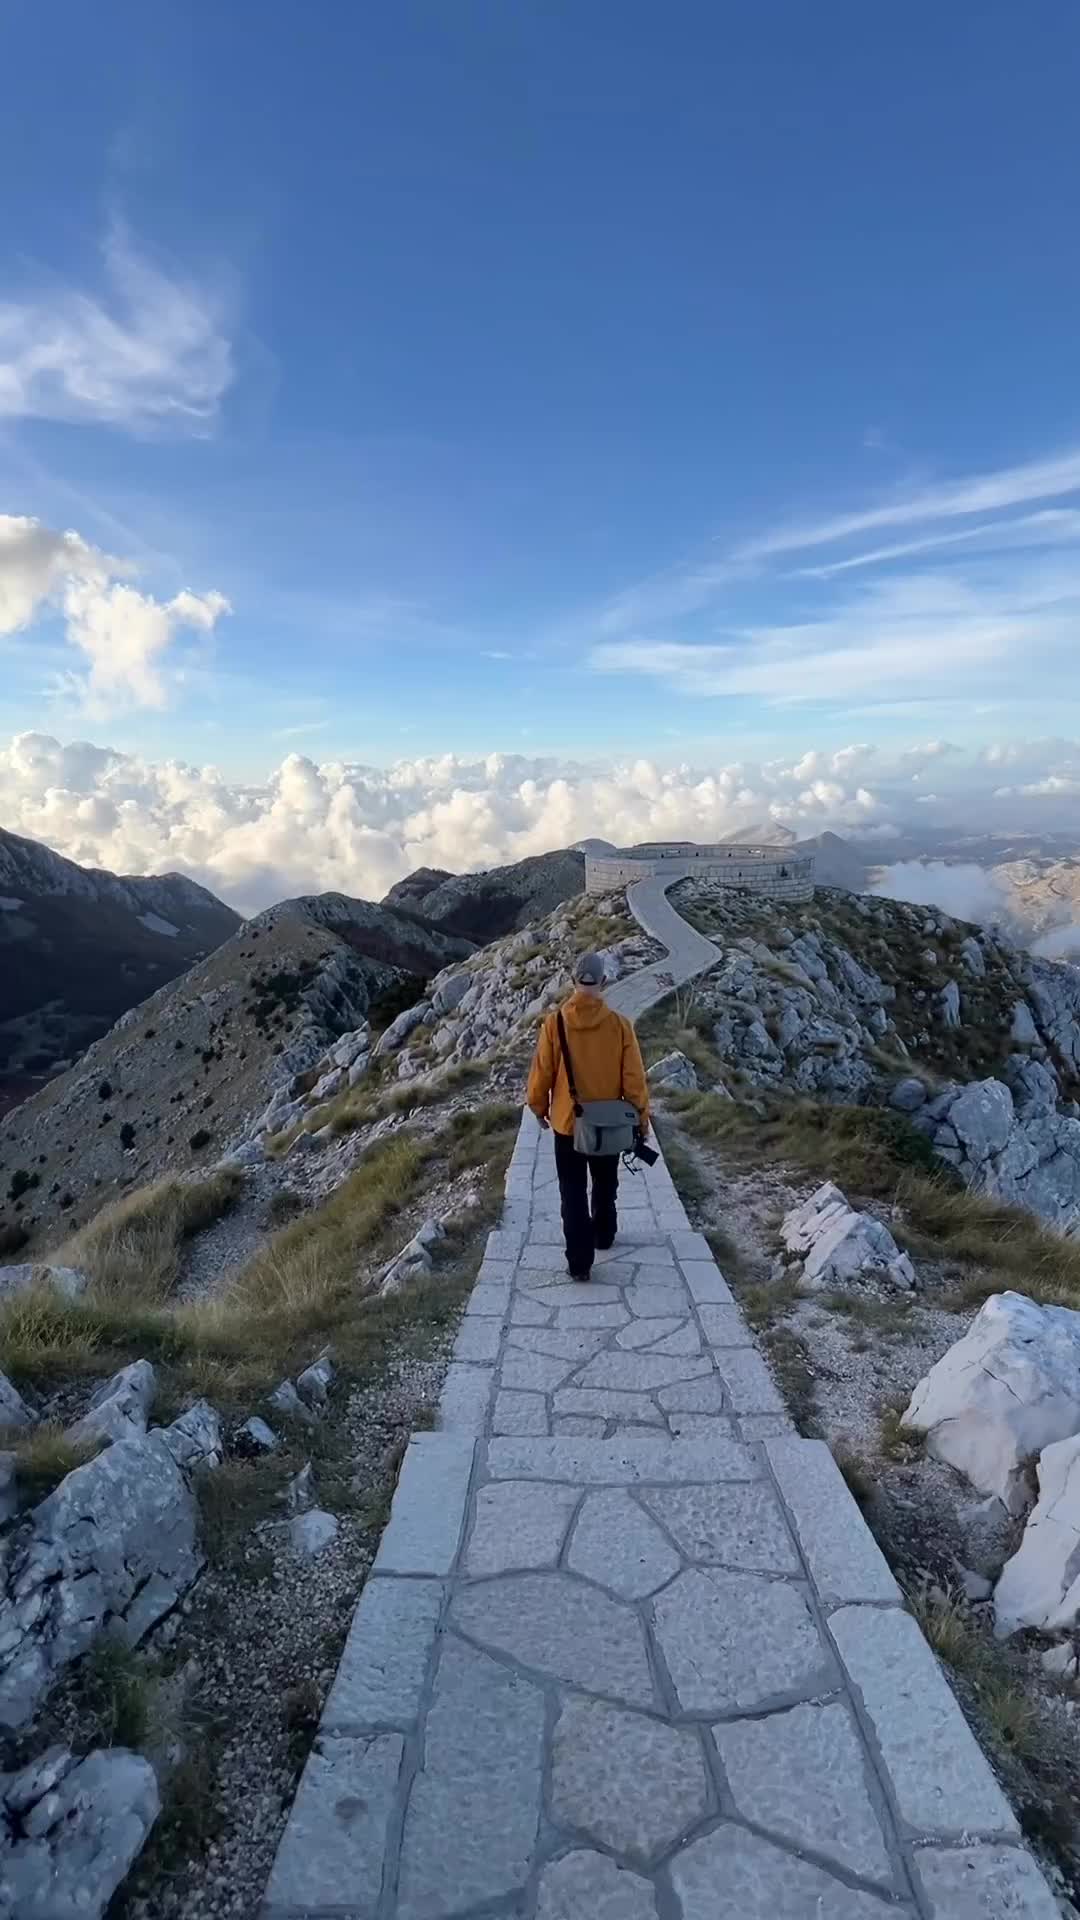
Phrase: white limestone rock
pixel 399 1030
pixel 949 1004
pixel 908 1095
pixel 1023 1031
pixel 14 1411
pixel 67 1281
pixel 313 1385
pixel 836 1244
pixel 1040 1585
pixel 311 1532
pixel 256 1437
pixel 195 1440
pixel 119 1409
pixel 112 1548
pixel 71 1830
pixel 413 1260
pixel 675 1073
pixel 973 958
pixel 999 1396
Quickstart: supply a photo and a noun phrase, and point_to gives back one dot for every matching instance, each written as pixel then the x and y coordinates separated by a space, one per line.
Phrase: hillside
pixel 485 906
pixel 181 1076
pixel 78 947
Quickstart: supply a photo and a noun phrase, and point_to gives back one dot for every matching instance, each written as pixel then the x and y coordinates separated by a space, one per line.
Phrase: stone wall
pixel 767 870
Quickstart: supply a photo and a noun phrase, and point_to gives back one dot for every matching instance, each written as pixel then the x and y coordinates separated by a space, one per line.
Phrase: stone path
pixel 628 1651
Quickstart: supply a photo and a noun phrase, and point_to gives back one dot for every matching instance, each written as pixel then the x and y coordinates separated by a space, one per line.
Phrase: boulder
pixel 949 1004
pixel 288 1402
pixel 1040 1585
pixel 414 1259
pixel 836 1244
pixel 1023 1032
pixel 111 1549
pixel 71 1830
pixel 67 1281
pixel 907 1095
pixel 256 1437
pixel 1027 1158
pixel 449 993
pixel 1034 1085
pixel 675 1072
pixel 973 958
pixel 194 1440
pixel 399 1030
pixel 14 1411
pixel 119 1409
pixel 300 1491
pixel 310 1532
pixel 313 1385
pixel 1000 1395
pixel 329 1084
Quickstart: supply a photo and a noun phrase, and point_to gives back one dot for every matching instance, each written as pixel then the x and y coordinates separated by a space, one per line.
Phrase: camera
pixel 641 1152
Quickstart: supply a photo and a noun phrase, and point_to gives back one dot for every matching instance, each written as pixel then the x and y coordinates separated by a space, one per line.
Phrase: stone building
pixel 775 871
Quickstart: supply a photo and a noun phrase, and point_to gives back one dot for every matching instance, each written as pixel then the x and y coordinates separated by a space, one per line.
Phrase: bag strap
pixel 568 1063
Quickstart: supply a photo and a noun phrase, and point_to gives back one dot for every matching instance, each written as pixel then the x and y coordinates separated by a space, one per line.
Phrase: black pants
pixel 586 1227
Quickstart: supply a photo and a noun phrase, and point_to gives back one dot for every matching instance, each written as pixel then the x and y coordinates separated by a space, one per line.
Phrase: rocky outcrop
pixel 803 1014
pixel 674 1073
pixel 413 1260
pixel 835 1245
pixel 112 1549
pixel 119 1409
pixel 70 1831
pixel 1022 1151
pixel 999 1396
pixel 1040 1585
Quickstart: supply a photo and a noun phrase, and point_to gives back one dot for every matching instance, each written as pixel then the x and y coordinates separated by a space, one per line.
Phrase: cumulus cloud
pixel 963 890
pixel 121 635
pixel 148 353
pixel 311 827
pixel 357 829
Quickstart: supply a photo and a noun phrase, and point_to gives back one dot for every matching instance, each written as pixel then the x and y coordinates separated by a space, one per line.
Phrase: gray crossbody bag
pixel 604 1127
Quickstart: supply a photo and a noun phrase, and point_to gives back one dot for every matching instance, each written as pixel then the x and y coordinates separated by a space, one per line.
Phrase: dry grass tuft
pixel 131 1250
pixel 42 1459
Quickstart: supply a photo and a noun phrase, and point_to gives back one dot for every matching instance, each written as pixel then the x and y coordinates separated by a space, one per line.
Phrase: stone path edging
pixel 628 1649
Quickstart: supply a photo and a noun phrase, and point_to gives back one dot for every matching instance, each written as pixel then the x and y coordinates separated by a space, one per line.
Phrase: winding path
pixel 628 1650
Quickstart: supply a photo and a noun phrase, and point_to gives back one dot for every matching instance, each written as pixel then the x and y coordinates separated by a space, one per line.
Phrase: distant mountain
pixel 181 1076
pixel 485 906
pixel 78 947
pixel 415 887
pixel 837 863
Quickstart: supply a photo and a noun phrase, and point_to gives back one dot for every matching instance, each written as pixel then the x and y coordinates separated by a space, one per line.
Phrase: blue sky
pixel 598 379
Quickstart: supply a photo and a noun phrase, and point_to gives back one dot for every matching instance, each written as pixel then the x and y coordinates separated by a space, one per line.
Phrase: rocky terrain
pixel 860 1000
pixel 485 906
pixel 208 1373
pixel 79 947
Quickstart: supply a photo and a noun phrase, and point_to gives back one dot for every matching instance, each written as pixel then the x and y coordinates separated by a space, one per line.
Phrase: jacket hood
pixel 581 1013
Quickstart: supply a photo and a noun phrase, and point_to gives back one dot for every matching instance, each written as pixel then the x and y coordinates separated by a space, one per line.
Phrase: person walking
pixel 604 1064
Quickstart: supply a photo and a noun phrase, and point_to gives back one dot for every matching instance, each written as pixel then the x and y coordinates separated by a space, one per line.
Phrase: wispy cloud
pixel 980 493
pixel 149 352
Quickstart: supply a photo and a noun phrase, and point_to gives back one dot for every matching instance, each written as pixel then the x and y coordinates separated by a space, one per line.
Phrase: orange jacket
pixel 607 1063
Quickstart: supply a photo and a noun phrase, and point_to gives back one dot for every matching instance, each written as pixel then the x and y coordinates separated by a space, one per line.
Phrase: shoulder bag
pixel 601 1127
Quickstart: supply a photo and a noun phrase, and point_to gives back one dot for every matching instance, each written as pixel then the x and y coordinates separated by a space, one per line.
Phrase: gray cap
pixel 590 970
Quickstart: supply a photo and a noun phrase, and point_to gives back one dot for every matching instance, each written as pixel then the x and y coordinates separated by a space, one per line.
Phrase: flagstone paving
pixel 628 1650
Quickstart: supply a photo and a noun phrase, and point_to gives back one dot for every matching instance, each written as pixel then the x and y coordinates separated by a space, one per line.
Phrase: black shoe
pixel 584 1274
pixel 605 1246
